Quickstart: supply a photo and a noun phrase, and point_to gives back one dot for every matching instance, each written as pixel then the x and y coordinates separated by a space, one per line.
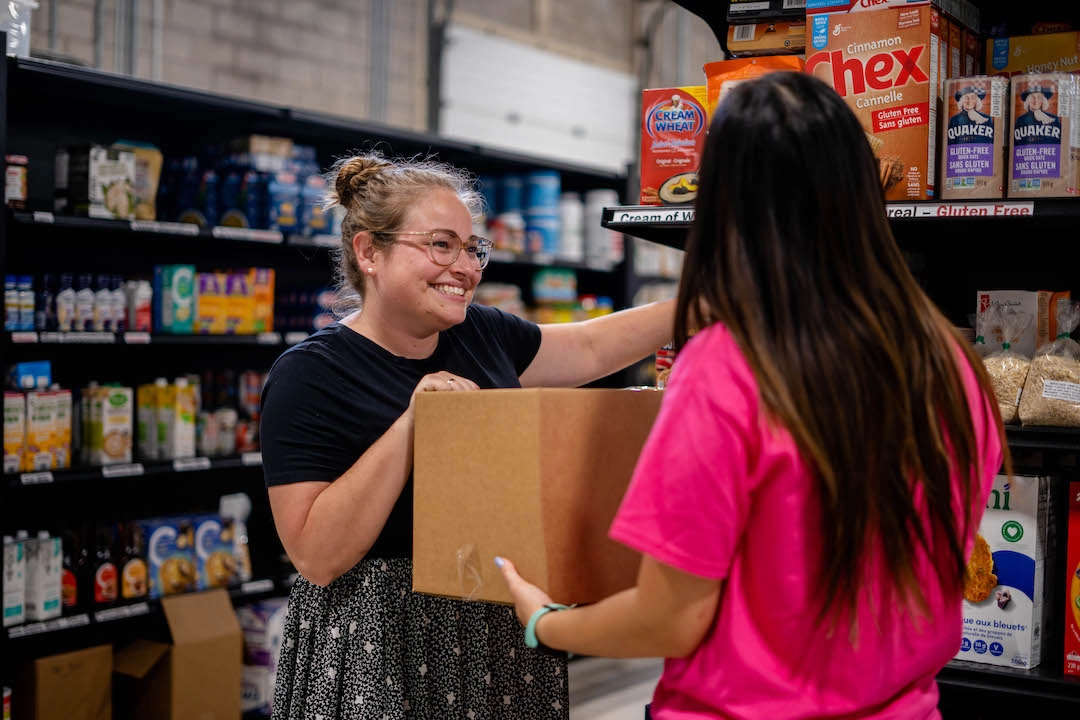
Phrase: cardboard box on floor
pixel 71 686
pixel 196 675
pixel 532 475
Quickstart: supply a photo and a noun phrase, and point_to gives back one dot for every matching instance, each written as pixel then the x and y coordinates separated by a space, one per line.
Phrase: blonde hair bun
pixel 351 176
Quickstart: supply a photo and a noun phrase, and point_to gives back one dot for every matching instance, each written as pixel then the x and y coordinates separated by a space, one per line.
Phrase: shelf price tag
pixel 169 228
pixel 265 236
pixel 295 338
pixel 116 471
pixel 44 217
pixel 251 459
pixel 137 338
pixel 257 586
pixel 122 613
pixel 652 216
pixel 268 338
pixel 37 478
pixel 24 338
pixel 78 338
pixel 191 464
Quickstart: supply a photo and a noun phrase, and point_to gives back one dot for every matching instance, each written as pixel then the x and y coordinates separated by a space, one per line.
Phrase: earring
pixel 370 270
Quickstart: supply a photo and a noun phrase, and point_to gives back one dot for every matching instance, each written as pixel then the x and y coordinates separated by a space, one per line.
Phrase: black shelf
pixel 147 228
pixel 275 340
pixel 154 469
pixel 1042 682
pixel 251 591
pixel 1044 438
pixel 508 257
pixel 668 225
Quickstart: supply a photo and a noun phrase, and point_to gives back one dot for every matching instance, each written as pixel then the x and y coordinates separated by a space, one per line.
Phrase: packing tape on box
pixel 470 578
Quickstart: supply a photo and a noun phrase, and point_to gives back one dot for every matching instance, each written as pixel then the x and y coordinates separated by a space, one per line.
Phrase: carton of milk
pixel 1004 623
pixel 14 582
pixel 44 571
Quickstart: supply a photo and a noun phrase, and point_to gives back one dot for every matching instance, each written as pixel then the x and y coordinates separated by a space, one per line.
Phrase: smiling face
pixel 969 101
pixel 1037 101
pixel 408 283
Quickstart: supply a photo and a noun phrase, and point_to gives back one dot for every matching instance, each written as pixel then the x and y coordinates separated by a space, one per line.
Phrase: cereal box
pixel 1045 136
pixel 170 555
pixel 975 136
pixel 215 564
pixel 14 431
pixel 239 304
pixel 1072 585
pixel 1005 604
pixel 887 65
pixel 956 50
pixel 971 52
pixel 1056 52
pixel 673 125
pixel 210 303
pixel 775 38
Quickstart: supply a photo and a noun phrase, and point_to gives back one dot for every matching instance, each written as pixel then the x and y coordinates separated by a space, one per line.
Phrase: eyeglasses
pixel 445 246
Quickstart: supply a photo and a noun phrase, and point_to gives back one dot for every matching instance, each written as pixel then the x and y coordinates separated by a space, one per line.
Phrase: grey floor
pixel 611 689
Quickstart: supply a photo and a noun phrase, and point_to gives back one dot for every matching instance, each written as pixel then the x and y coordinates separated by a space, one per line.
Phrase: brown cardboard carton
pixel 532 475
pixel 72 686
pixel 197 674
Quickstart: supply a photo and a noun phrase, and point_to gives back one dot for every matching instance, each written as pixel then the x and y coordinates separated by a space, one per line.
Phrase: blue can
pixel 511 194
pixel 542 235
pixel 542 191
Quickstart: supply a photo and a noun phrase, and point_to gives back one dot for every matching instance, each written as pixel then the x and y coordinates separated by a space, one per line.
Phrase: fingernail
pixel 499 562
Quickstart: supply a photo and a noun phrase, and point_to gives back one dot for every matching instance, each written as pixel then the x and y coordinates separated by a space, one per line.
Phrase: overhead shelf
pixel 154 469
pixel 667 225
pixel 270 339
pixel 1042 682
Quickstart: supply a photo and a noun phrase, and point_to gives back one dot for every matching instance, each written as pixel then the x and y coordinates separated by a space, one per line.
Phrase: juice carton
pixel 40 419
pixel 165 406
pixel 183 421
pixel 210 304
pixel 1005 603
pixel 262 287
pixel 215 563
pixel 44 570
pixel 170 555
pixel 61 444
pixel 174 299
pixel 1072 585
pixel 239 305
pixel 673 125
pixel 117 420
pixel 14 431
pixel 14 582
pixel 888 64
pixel 146 432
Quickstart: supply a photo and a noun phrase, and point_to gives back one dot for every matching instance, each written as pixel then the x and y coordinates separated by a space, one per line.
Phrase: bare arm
pixel 578 353
pixel 327 528
pixel 667 614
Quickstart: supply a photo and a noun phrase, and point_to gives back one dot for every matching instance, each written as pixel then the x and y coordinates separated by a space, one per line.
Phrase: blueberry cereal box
pixel 1005 603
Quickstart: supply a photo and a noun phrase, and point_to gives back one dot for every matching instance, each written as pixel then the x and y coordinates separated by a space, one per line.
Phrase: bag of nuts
pixel 1052 392
pixel 1008 369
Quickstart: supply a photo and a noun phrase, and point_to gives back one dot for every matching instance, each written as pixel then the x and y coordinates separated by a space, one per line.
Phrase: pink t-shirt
pixel 718 493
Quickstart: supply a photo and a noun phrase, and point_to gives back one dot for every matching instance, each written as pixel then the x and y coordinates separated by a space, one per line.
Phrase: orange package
pixel 1072 585
pixel 722 76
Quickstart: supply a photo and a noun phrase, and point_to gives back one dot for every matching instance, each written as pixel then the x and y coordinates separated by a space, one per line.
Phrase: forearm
pixel 347 517
pixel 616 341
pixel 622 626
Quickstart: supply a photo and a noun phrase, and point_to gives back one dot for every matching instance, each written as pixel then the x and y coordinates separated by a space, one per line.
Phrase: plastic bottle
pixel 134 579
pixel 65 305
pixel 105 575
pixel 84 303
pixel 119 304
pixel 45 307
pixel 102 304
pixel 140 297
pixel 11 303
pixel 26 302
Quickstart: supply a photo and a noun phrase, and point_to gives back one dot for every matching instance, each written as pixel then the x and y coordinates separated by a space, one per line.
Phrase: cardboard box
pixel 1055 52
pixel 537 478
pixel 239 304
pixel 757 39
pixel 890 68
pixel 196 674
pixel 210 303
pixel 961 11
pixel 744 11
pixel 1006 627
pixel 1072 584
pixel 71 686
pixel 673 127
pixel 956 50
pixel 1041 306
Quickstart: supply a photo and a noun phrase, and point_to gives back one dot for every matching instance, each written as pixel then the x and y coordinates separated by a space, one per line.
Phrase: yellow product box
pixel 1054 52
pixel 14 431
pixel 767 38
pixel 61 445
pixel 146 421
pixel 117 420
pixel 210 308
pixel 262 289
pixel 239 305
pixel 40 418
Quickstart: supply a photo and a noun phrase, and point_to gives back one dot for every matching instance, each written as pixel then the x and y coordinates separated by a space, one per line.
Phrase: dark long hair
pixel 792 251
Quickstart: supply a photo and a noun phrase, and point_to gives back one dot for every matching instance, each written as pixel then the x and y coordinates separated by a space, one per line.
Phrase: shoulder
pixel 713 366
pixel 313 361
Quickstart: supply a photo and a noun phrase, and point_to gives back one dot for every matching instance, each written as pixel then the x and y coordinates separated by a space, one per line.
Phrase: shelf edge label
pixel 257 586
pixel 44 217
pixel 37 478
pixel 268 338
pixel 251 459
pixel 117 471
pixel 137 338
pixel 231 233
pixel 191 464
pixel 657 216
pixel 170 228
pixel 24 338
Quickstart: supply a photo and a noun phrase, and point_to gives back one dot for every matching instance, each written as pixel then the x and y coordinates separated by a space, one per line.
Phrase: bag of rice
pixel 1007 368
pixel 978 321
pixel 1052 392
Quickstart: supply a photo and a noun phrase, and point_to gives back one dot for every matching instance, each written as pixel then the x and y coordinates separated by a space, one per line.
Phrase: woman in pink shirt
pixel 812 486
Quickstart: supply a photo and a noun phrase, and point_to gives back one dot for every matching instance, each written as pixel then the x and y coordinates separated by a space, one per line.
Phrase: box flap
pixel 139 658
pixel 200 617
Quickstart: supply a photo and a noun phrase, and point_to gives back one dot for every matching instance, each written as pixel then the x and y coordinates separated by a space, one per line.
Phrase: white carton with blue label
pixel 1005 601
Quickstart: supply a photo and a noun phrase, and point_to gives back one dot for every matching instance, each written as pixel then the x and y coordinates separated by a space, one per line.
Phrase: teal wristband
pixel 530 630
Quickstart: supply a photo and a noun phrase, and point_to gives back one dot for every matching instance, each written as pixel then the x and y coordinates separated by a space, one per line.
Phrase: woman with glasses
pixel 337 439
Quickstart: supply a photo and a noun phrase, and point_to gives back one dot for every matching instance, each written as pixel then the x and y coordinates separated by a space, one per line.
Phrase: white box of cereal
pixel 1005 600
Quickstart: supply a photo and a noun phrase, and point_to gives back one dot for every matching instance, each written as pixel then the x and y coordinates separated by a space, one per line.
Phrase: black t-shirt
pixel 328 399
